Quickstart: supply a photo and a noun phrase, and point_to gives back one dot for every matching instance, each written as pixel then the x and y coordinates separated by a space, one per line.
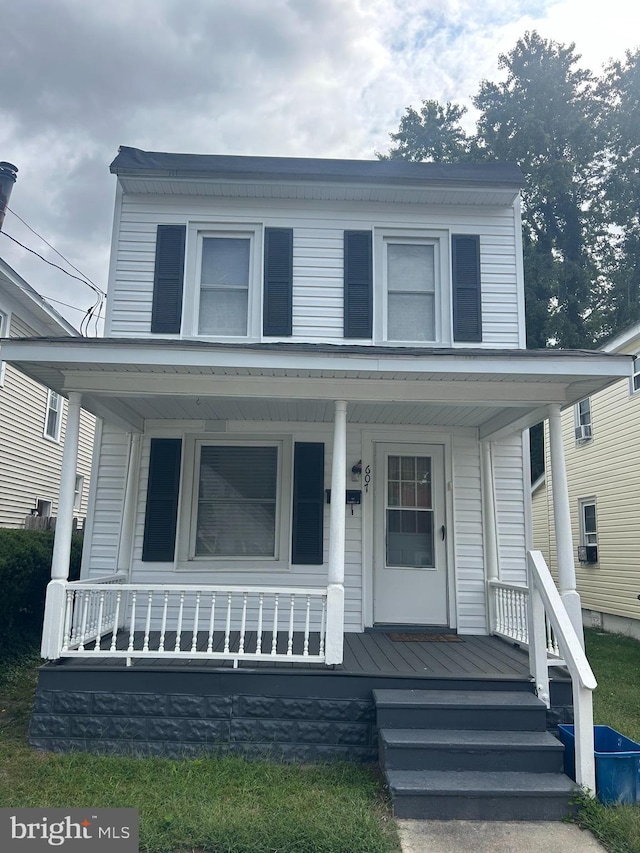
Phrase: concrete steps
pixel 481 755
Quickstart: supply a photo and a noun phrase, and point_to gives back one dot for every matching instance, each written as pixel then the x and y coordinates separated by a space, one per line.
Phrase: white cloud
pixel 293 77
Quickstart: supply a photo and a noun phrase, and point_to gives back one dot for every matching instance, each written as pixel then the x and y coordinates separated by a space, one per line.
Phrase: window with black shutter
pixel 168 278
pixel 278 281
pixel 308 503
pixel 358 284
pixel 467 296
pixel 161 512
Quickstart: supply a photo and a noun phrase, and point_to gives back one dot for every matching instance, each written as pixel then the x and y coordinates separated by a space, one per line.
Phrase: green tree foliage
pixel 576 140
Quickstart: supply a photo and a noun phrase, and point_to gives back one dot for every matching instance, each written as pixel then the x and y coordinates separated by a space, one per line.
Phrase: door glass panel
pixel 409 513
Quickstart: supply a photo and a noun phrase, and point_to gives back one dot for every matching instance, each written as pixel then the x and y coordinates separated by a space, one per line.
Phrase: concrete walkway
pixel 469 836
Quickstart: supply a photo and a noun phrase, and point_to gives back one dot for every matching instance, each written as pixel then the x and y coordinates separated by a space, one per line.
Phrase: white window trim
pixel 45 434
pixel 635 376
pixel 582 503
pixel 44 501
pixel 442 309
pixel 576 422
pixel 187 517
pixel 196 233
pixel 5 326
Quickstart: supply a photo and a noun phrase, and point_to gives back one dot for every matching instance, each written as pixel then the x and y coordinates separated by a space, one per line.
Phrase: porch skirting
pixel 293 714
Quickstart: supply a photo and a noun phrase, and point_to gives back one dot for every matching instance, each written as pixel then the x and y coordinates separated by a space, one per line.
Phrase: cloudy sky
pixel 320 78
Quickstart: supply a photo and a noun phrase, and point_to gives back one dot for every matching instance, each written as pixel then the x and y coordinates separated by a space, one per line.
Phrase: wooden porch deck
pixel 365 654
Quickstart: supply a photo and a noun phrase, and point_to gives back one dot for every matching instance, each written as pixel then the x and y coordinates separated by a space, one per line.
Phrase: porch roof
pixel 135 380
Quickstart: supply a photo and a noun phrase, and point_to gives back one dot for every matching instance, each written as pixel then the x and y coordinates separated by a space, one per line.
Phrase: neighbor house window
pixel 635 379
pixel 53 418
pixel 582 420
pixel 77 493
pixel 237 499
pixel 4 333
pixel 588 522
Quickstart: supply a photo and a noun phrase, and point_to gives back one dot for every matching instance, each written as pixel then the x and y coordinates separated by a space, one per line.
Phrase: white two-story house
pixel 314 393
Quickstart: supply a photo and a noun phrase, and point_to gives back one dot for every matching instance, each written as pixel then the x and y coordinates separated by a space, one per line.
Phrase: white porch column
pixel 54 608
pixel 337 517
pixel 562 521
pixel 491 568
pixel 129 508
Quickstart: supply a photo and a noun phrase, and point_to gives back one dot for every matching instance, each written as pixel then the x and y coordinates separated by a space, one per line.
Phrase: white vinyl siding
pixel 508 477
pixel 318 230
pixel 31 463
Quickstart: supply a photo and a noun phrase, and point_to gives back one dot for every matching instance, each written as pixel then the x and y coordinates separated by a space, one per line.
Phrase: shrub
pixel 25 570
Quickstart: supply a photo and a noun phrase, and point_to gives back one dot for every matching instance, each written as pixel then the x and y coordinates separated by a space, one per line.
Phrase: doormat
pixel 424 638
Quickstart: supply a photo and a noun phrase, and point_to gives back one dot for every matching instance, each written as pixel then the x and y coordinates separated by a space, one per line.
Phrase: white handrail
pixel 544 599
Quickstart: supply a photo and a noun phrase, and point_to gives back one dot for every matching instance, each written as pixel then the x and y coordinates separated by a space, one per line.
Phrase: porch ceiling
pixel 134 381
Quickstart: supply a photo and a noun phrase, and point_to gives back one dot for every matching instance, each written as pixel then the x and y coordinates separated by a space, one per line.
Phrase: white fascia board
pixel 626 342
pixel 609 366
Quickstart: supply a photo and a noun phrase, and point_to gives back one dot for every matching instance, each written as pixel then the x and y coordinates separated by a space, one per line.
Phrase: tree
pixel 619 95
pixel 543 116
pixel 434 134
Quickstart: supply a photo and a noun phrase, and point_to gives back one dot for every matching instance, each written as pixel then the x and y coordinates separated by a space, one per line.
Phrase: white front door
pixel 410 569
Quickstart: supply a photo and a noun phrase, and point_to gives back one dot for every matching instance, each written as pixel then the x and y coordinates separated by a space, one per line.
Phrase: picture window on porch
pixel 53 416
pixel 237 501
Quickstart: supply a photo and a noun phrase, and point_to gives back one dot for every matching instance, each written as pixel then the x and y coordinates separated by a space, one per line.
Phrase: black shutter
pixel 278 281
pixel 161 514
pixel 308 503
pixel 358 284
pixel 166 312
pixel 467 297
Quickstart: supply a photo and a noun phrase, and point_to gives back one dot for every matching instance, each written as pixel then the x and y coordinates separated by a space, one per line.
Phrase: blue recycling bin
pixel 617 764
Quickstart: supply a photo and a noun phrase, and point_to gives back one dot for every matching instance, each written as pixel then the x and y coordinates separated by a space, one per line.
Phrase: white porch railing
pixel 510 604
pixel 111 618
pixel 536 616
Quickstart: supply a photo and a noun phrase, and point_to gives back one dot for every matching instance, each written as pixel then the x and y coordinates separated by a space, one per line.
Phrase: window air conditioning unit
pixel 583 432
pixel 588 553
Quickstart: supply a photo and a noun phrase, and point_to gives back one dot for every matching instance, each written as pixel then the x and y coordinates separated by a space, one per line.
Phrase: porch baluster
pixel 323 617
pixel 179 626
pixel 243 624
pixel 147 625
pixel 274 635
pixel 66 638
pixel 290 638
pixel 227 627
pixel 305 650
pixel 510 616
pixel 116 620
pixel 523 618
pixel 259 632
pixel 96 647
pixel 163 627
pixel 211 622
pixel 132 624
pixel 196 619
pixel 83 622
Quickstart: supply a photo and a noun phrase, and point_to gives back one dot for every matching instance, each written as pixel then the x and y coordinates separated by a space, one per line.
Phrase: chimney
pixel 8 174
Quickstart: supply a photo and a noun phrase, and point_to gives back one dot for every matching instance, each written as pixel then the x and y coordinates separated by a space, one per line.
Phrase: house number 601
pixel 367 477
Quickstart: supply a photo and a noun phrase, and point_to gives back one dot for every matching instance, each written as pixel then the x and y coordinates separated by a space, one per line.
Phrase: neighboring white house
pixel 314 391
pixel 33 417
pixel 601 434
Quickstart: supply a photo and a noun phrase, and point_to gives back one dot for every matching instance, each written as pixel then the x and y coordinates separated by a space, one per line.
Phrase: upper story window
pixel 400 285
pixel 582 420
pixel 411 291
pixel 635 379
pixel 225 264
pixel 53 417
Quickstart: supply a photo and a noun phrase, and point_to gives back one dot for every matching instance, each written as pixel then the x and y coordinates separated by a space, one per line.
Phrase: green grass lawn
pixel 224 804
pixel 616 703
